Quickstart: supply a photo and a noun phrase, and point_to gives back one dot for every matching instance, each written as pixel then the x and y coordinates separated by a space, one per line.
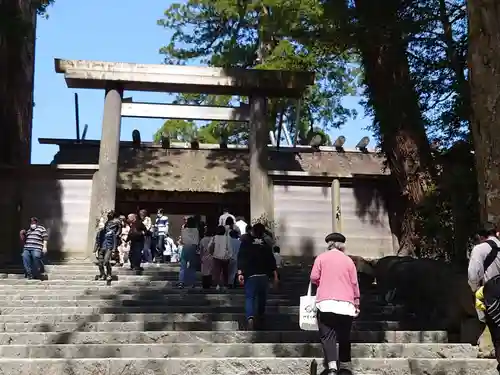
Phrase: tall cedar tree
pixel 256 35
pixel 484 64
pixel 17 53
pixel 395 105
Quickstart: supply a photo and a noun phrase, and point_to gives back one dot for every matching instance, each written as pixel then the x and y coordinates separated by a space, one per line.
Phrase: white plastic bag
pixel 307 312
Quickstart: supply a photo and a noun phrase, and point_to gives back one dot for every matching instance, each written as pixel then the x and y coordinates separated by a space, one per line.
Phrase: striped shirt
pixel 35 238
pixel 162 225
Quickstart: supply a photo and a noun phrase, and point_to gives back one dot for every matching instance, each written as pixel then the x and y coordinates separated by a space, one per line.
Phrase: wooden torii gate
pixel 115 78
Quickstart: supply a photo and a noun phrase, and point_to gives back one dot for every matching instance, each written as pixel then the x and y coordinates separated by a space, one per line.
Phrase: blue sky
pixel 110 30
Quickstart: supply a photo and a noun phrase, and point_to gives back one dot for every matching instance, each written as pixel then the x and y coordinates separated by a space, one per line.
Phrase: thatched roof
pixel 217 170
pixel 183 170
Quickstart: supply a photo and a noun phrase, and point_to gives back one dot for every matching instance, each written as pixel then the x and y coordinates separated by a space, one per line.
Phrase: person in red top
pixel 337 302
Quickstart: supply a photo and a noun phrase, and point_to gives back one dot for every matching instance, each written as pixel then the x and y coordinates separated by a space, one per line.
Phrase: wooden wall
pixel 365 220
pixel 303 215
pixel 60 198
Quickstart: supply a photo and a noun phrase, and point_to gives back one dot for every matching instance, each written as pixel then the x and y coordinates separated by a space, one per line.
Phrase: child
pixel 206 260
pixel 176 255
pixel 235 243
pixel 480 299
pixel 124 247
pixel 170 248
pixel 277 258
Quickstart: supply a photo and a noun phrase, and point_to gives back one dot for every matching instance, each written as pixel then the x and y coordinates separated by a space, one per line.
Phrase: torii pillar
pixel 261 186
pixel 105 179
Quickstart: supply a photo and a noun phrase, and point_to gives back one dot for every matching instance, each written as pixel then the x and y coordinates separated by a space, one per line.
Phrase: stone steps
pixel 124 276
pixel 143 287
pixel 143 324
pixel 92 265
pixel 102 291
pixel 242 366
pixel 273 319
pixel 88 324
pixel 153 291
pixel 48 298
pixel 214 337
pixel 172 300
pixel 154 269
pixel 133 281
pixel 143 307
pixel 235 350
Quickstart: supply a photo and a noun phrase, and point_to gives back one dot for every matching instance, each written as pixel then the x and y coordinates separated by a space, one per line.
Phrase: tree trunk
pixel 396 108
pixel 17 52
pixel 484 63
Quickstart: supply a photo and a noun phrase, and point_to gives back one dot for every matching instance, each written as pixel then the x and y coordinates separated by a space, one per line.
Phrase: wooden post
pixel 336 208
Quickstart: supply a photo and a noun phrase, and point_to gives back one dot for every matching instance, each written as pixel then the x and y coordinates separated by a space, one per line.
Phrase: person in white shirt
pixel 124 248
pixel 222 253
pixel 277 256
pixel 241 224
pixel 224 216
pixel 170 249
pixel 161 230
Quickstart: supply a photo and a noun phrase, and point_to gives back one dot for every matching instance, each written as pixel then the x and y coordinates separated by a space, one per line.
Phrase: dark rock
pixel 430 289
pixel 366 271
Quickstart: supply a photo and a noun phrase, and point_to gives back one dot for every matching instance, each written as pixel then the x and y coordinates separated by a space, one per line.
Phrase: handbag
pixel 307 312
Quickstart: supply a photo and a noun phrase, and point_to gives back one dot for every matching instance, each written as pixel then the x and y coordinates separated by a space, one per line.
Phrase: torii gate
pixel 115 78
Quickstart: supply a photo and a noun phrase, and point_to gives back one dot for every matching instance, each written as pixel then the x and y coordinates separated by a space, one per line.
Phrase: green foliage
pixel 449 217
pixel 230 33
pixel 212 133
pixel 270 224
pixel 14 23
pixel 437 50
pixel 325 37
pixel 177 130
pixel 42 5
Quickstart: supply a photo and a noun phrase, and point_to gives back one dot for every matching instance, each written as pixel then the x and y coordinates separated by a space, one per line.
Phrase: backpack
pixel 491 289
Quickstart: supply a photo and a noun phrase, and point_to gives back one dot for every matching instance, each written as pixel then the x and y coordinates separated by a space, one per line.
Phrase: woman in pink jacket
pixel 337 302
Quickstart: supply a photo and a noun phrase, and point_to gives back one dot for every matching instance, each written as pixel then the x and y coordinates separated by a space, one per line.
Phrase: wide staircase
pixel 144 325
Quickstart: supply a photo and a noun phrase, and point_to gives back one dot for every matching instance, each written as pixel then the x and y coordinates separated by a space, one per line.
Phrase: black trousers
pixel 495 338
pixel 335 329
pixel 206 281
pixel 104 256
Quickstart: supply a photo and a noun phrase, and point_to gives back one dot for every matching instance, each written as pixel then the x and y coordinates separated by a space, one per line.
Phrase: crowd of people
pixel 136 240
pixel 230 254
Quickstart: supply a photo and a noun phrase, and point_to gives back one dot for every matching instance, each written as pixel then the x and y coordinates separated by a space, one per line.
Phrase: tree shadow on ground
pixel 149 305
